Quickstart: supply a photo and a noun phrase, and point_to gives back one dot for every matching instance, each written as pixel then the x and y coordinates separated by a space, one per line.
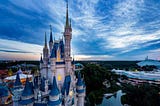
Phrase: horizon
pixel 102 30
pixel 76 60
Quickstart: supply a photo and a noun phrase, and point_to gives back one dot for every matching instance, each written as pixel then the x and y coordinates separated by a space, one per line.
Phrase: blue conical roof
pixel 53 53
pixel 54 90
pixel 28 89
pixel 41 60
pixel 66 85
pixel 18 81
pixel 79 81
pixel 51 39
pixel 42 86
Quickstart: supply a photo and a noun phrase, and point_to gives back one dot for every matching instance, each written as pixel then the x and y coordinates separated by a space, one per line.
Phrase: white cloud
pixel 20 46
pixel 129 41
pixel 93 57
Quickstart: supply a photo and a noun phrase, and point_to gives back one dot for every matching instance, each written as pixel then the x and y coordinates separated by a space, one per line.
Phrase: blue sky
pixel 102 29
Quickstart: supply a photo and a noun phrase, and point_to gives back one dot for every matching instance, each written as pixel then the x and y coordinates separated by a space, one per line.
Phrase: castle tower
pixel 51 40
pixel 41 62
pixel 54 95
pixel 80 91
pixel 27 97
pixel 17 90
pixel 66 91
pixel 40 101
pixel 45 56
pixel 44 85
pixel 62 68
pixel 45 52
pixel 36 83
pixel 67 47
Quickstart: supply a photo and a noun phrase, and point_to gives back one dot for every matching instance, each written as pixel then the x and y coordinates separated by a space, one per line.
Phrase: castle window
pixel 58 55
pixel 59 77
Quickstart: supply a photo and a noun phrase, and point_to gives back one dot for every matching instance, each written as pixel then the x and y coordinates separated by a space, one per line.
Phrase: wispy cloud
pixel 11 45
pixel 93 57
pixel 13 49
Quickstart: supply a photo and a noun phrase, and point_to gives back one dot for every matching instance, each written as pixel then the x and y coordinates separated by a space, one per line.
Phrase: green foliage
pixel 95 75
pixel 141 95
pixel 34 70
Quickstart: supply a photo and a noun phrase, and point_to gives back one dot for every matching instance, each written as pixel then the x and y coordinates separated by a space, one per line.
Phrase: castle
pixel 57 84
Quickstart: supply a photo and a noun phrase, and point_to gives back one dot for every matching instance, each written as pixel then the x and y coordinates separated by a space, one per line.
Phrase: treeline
pixel 94 76
pixel 8 64
pixel 141 95
pixel 127 65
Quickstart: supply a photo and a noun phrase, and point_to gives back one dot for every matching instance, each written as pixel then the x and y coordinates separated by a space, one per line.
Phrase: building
pixel 56 84
pixel 149 62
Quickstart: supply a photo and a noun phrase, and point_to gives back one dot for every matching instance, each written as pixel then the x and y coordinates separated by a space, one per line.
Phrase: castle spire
pixel 51 39
pixel 67 20
pixel 18 81
pixel 80 90
pixel 27 94
pixel 54 97
pixel 70 23
pixel 45 44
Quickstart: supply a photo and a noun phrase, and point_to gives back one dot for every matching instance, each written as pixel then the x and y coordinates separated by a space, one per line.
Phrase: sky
pixel 101 29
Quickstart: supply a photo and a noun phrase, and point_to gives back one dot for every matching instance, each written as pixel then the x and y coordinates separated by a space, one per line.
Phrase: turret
pixel 53 57
pixel 51 40
pixel 42 88
pixel 44 85
pixel 65 91
pixel 67 35
pixel 17 90
pixel 54 95
pixel 45 52
pixel 17 83
pixel 41 62
pixel 80 91
pixel 45 56
pixel 27 98
pixel 67 38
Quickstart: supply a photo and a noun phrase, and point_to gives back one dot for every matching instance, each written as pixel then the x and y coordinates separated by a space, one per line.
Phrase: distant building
pixel 56 84
pixel 149 62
